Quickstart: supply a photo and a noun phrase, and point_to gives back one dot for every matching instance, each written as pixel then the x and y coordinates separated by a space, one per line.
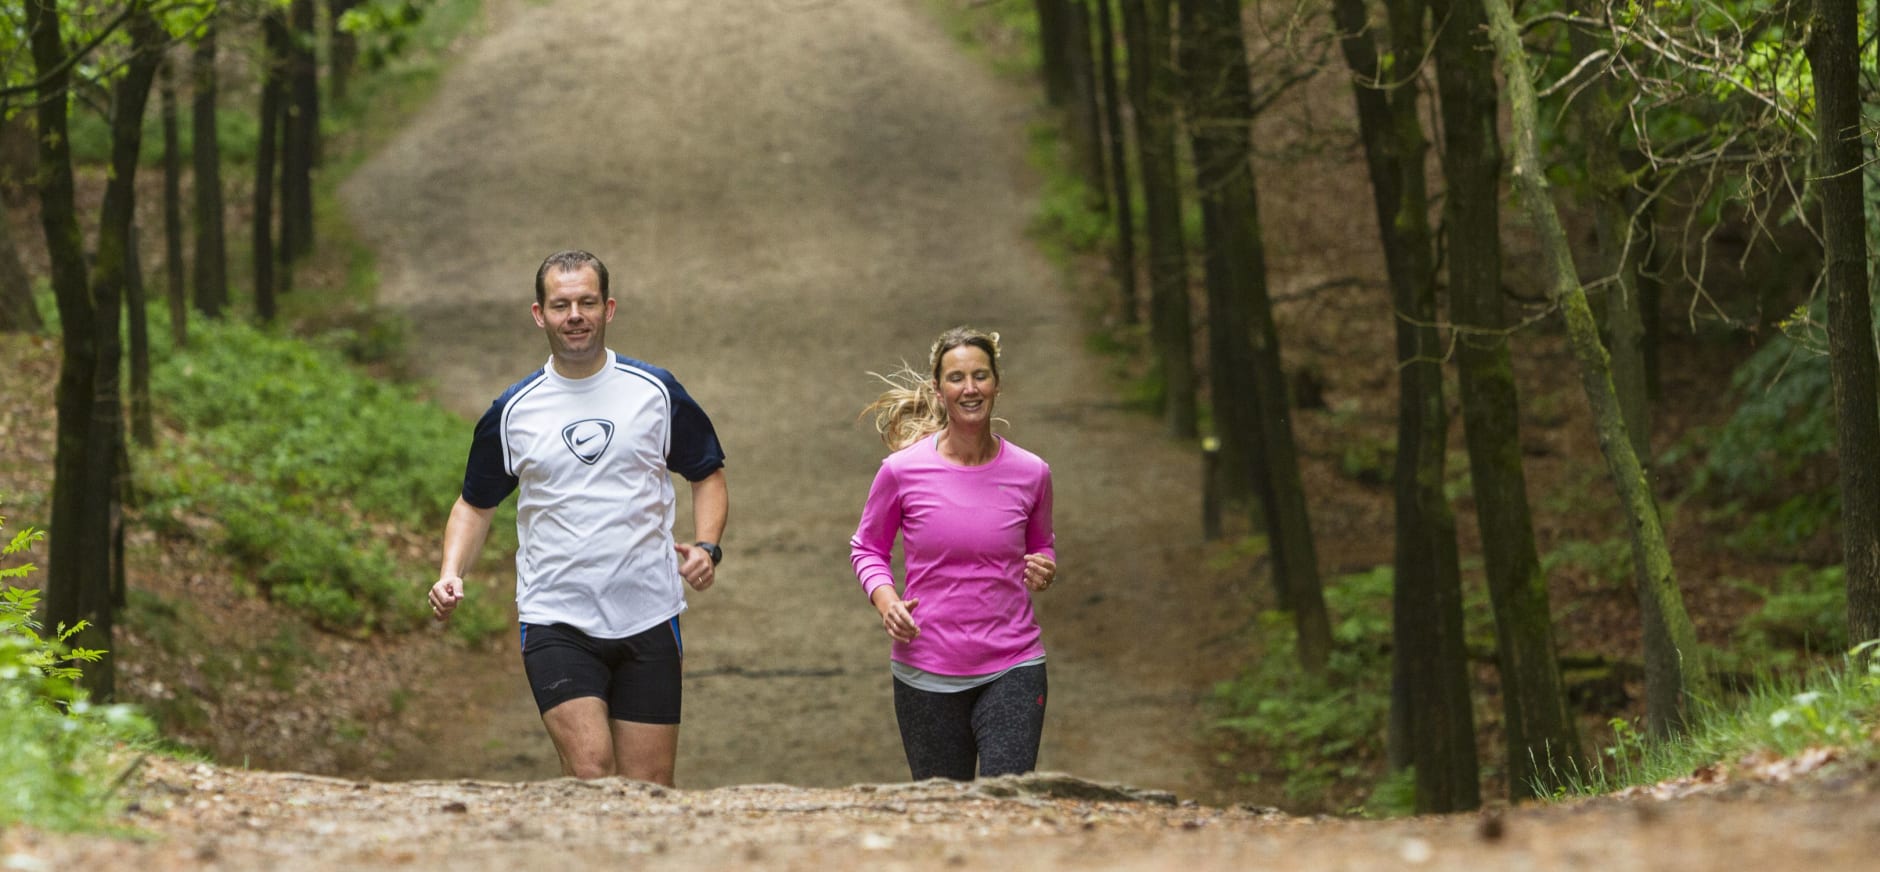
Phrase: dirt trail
pixel 791 194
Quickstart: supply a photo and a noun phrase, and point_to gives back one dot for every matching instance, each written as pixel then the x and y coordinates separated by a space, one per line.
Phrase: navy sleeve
pixel 695 452
pixel 486 482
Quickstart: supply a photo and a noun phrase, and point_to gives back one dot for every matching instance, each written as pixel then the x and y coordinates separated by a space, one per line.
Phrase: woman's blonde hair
pixel 911 408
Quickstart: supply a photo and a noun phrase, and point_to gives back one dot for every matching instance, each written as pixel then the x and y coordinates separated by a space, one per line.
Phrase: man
pixel 590 440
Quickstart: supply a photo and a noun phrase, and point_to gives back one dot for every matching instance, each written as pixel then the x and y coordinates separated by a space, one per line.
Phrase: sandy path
pixel 790 194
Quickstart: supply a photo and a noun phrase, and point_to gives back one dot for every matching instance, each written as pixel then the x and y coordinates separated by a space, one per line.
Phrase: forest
pixel 1643 232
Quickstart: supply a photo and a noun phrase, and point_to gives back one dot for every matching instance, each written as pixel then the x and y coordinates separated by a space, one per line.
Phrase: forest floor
pixel 792 195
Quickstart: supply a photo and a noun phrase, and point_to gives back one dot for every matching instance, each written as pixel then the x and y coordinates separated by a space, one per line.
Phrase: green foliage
pixel 1780 717
pixel 1805 610
pixel 1326 731
pixel 1785 421
pixel 55 745
pixel 1607 563
pixel 1770 464
pixel 302 462
pixel 382 28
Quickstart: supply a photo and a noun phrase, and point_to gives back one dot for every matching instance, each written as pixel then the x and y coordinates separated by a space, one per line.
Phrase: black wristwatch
pixel 712 549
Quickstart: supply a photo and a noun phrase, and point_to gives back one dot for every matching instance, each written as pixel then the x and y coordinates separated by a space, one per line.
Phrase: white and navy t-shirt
pixel 594 515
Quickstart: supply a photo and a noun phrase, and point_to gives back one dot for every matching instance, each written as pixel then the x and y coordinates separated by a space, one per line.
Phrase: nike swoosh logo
pixel 590 438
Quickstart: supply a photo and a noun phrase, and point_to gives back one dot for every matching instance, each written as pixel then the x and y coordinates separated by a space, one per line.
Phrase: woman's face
pixel 967 385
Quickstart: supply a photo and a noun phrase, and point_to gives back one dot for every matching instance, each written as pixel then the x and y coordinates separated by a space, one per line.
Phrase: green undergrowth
pixel 309 472
pixel 1322 737
pixel 1830 709
pixel 61 756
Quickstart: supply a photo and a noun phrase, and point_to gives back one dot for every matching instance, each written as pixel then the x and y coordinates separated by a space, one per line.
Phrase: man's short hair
pixel 571 260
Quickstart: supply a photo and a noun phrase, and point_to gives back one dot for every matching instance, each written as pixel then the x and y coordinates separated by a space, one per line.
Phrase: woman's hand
pixel 897 615
pixel 1040 571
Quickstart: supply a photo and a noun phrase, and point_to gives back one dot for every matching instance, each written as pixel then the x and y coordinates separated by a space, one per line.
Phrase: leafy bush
pixel 1326 730
pixel 1806 609
pixel 55 745
pixel 300 463
pixel 1780 441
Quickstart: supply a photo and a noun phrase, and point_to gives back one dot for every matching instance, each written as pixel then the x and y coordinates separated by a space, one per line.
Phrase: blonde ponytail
pixel 907 410
pixel 911 408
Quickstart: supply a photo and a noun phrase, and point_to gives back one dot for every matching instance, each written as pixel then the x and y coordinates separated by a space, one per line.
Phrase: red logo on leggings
pixel 1041 699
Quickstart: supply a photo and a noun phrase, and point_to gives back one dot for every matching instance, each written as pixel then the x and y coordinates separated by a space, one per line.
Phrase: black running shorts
pixel 638 676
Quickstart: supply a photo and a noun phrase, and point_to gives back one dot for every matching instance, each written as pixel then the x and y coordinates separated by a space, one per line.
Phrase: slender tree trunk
pixel 1221 112
pixel 137 321
pixel 1673 657
pixel 1600 115
pixel 211 271
pixel 1121 196
pixel 1053 61
pixel 300 136
pixel 1086 118
pixel 1432 729
pixel 1146 30
pixel 1834 55
pixel 342 51
pixel 1425 552
pixel 18 312
pixel 78 578
pixel 1542 742
pixel 175 290
pixel 261 219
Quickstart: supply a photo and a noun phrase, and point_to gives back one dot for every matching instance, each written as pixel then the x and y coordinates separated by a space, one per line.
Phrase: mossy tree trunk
pixel 1674 665
pixel 1250 387
pixel 1542 742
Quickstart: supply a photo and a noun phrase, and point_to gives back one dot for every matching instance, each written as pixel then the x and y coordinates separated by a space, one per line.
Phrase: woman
pixel 974 514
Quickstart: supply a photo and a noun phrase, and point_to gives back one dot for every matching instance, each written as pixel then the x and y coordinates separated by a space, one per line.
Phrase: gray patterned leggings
pixel 993 727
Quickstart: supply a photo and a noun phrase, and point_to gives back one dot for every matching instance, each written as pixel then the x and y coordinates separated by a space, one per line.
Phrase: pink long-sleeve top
pixel 965 531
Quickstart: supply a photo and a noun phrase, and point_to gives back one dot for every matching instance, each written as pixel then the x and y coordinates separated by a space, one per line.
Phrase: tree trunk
pixel 1086 119
pixel 261 219
pixel 1600 114
pixel 1053 61
pixel 18 312
pixel 1673 659
pixel 1251 395
pixel 1542 742
pixel 137 312
pixel 1146 32
pixel 342 51
pixel 1122 200
pixel 211 249
pixel 79 585
pixel 300 136
pixel 1833 54
pixel 176 291
pixel 1432 721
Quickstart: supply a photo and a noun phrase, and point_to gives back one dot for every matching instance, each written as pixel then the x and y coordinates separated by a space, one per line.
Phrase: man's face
pixel 573 314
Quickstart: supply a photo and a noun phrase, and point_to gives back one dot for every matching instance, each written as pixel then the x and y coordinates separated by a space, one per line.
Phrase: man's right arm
pixel 464 534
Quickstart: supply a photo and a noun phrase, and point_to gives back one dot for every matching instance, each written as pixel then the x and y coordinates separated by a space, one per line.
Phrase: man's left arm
pixel 711 506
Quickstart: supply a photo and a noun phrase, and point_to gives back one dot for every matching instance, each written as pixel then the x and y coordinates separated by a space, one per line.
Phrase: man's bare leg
pixel 579 728
pixel 645 752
